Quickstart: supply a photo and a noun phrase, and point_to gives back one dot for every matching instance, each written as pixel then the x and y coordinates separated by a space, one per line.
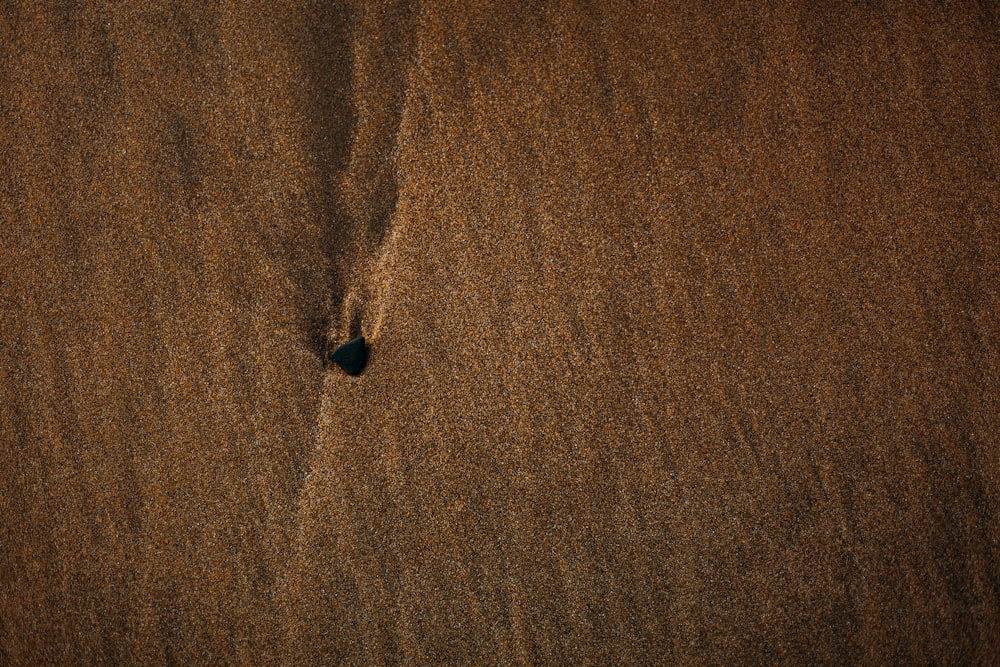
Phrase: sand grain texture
pixel 683 324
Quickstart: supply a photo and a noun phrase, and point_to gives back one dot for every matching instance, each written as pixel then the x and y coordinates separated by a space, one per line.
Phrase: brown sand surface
pixel 684 325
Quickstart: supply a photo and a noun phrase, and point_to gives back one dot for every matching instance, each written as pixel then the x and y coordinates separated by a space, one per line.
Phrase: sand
pixel 684 331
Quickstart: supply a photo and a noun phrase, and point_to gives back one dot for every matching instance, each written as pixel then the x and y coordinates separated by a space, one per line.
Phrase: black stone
pixel 352 356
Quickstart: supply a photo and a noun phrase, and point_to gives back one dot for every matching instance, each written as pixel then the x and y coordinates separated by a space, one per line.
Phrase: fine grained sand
pixel 684 333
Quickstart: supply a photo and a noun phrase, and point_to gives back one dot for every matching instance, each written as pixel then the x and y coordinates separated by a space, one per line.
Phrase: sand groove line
pixel 360 188
pixel 359 63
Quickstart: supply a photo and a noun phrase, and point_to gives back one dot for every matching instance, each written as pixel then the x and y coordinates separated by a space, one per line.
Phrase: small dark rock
pixel 352 356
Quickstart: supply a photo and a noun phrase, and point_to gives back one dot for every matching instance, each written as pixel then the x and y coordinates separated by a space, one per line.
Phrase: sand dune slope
pixel 683 325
